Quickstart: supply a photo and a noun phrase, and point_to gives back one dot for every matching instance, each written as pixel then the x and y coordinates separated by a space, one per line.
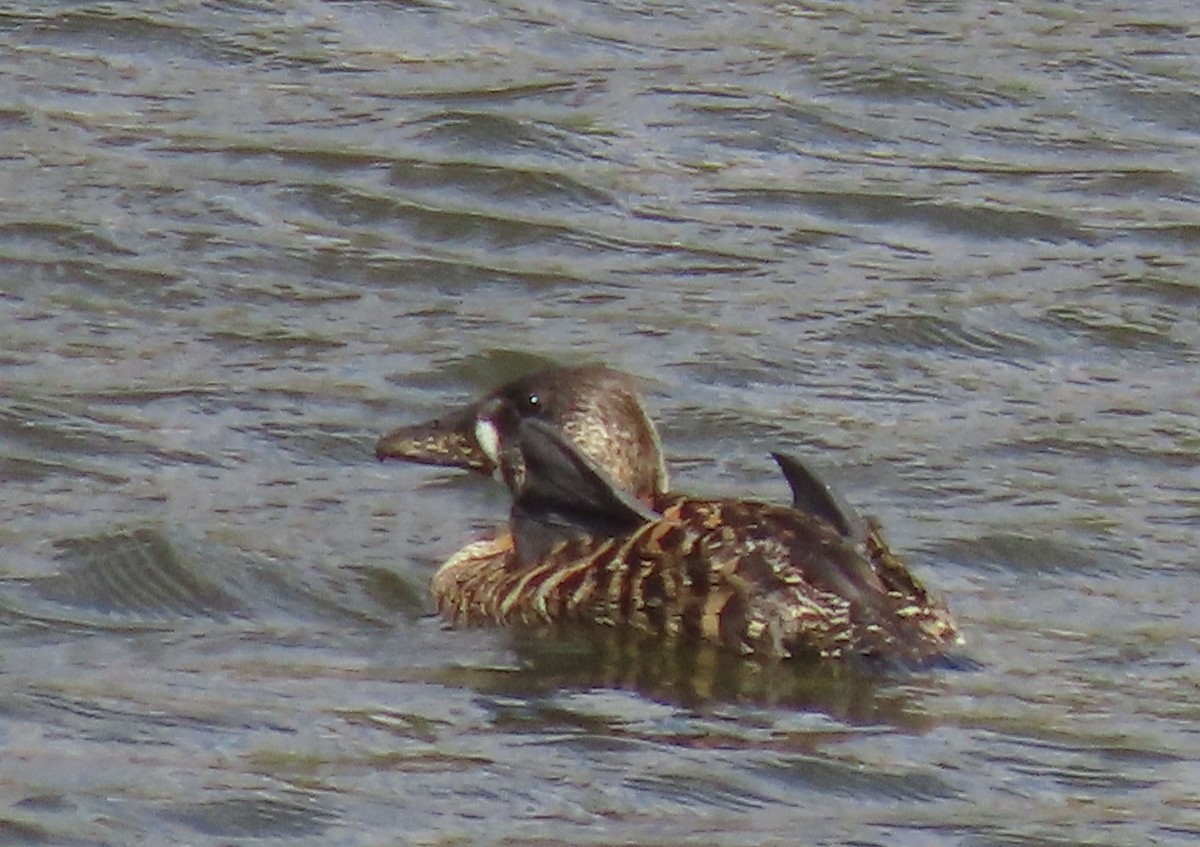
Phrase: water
pixel 950 251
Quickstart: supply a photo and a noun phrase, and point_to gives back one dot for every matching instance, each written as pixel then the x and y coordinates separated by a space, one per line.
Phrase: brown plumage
pixel 599 409
pixel 762 579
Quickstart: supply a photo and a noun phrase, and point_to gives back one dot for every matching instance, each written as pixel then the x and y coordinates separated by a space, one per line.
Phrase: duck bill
pixel 448 441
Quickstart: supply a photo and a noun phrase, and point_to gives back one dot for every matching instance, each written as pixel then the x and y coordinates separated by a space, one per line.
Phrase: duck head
pixel 597 409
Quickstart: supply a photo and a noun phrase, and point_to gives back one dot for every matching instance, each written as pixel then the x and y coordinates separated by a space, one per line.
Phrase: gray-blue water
pixel 950 251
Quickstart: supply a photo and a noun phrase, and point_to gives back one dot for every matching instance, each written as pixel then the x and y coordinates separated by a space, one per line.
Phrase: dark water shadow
pixel 148 579
pixel 702 678
pixel 253 817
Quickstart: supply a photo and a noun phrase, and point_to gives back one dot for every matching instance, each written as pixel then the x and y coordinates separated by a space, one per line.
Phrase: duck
pixel 596 537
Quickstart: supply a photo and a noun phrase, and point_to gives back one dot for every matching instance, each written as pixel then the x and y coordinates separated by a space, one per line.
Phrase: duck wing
pixel 815 496
pixel 565 495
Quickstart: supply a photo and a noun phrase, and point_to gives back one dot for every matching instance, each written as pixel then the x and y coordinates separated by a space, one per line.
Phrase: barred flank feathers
pixel 757 579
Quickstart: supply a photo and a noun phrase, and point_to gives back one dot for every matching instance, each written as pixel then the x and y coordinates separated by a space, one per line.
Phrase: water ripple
pixel 946 249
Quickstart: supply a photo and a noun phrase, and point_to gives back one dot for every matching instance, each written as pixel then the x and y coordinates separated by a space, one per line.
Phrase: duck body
pixel 761 579
pixel 738 574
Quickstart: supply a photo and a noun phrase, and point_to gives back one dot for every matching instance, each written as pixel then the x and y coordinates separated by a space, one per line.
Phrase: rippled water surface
pixel 951 251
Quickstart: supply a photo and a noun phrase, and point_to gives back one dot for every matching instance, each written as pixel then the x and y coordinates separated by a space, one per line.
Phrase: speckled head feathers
pixel 597 408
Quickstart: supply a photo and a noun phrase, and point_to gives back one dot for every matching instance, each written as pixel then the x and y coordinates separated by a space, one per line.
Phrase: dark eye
pixel 531 404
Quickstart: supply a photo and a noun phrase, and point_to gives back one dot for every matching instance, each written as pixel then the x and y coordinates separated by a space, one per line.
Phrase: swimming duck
pixel 595 536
